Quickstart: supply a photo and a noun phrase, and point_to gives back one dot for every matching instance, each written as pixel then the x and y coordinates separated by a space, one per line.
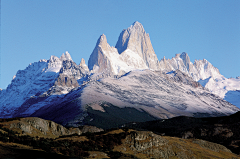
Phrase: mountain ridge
pixel 123 77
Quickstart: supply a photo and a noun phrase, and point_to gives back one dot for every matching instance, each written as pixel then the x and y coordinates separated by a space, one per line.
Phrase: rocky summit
pixel 121 84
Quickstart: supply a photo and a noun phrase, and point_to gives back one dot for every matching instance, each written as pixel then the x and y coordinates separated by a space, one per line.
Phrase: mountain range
pixel 121 84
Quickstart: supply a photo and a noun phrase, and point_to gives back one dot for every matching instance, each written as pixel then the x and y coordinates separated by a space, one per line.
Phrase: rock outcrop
pixel 145 144
pixel 34 126
pixel 39 127
pixel 221 130
pixel 84 66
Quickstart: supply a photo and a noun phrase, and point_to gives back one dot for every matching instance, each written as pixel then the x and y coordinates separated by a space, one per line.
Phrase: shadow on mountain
pixel 114 116
pixel 221 130
pixel 233 97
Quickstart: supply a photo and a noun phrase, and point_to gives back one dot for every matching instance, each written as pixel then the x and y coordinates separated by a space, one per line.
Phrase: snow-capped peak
pixel 54 64
pixel 66 56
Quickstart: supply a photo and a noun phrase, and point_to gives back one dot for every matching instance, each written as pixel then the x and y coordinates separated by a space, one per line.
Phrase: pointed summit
pixel 66 56
pixel 137 26
pixel 82 62
pixel 132 32
pixel 102 42
pixel 136 23
pixel 98 58
pixel 83 65
pixel 186 60
pixel 136 39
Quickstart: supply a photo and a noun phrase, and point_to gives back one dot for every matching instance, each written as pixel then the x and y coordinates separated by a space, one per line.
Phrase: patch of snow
pixel 126 61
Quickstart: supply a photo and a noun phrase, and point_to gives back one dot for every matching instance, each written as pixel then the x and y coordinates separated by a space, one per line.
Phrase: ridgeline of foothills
pixel 179 137
pixel 124 104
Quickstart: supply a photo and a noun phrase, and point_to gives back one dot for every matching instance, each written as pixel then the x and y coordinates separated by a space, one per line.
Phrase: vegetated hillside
pixel 118 143
pixel 221 130
pixel 37 127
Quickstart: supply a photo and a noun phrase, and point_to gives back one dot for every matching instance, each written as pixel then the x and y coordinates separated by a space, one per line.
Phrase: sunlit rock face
pixel 137 40
pixel 125 80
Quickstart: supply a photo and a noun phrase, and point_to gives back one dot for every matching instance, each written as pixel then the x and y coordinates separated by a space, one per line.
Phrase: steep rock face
pixel 99 59
pixel 106 59
pixel 84 66
pixel 66 81
pixel 68 77
pixel 132 51
pixel 136 39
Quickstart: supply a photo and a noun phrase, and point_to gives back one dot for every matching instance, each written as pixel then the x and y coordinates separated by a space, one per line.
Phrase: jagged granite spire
pixel 136 39
pixel 66 56
pixel 99 59
pixel 83 65
pixel 186 60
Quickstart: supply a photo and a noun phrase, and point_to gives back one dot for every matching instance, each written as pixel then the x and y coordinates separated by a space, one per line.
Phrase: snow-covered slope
pixel 206 74
pixel 227 89
pixel 125 80
pixel 200 70
pixel 149 92
pixel 41 78
pixel 175 93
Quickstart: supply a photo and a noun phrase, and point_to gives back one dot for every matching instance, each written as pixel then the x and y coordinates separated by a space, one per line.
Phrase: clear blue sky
pixel 36 29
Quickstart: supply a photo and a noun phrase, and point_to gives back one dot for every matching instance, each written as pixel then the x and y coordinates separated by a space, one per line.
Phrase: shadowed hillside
pixel 113 143
pixel 221 130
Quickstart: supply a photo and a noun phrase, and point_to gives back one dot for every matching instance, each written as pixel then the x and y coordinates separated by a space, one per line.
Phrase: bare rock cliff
pixel 136 39
pixel 99 60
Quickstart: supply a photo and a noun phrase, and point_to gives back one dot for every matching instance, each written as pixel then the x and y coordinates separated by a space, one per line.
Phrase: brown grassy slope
pixel 14 150
pixel 117 143
pixel 148 145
